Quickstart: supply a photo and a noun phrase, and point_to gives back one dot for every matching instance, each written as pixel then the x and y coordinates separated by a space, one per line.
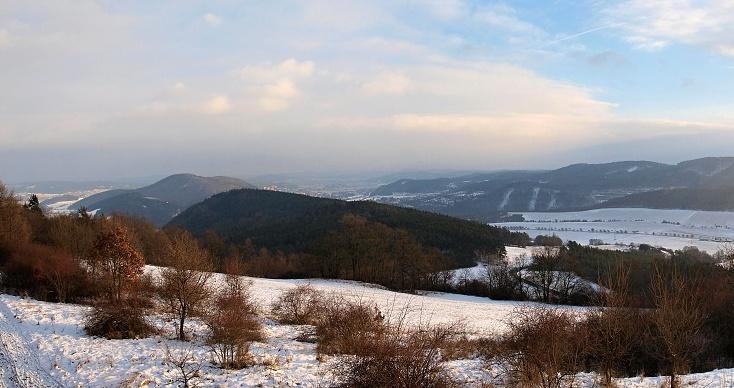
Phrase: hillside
pixel 714 199
pixel 161 201
pixel 293 222
pixel 578 186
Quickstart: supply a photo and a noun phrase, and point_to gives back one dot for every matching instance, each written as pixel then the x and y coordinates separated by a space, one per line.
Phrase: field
pixel 43 344
pixel 673 229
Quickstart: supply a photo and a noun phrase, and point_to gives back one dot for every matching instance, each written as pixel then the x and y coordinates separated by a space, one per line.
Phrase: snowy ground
pixel 672 229
pixel 45 344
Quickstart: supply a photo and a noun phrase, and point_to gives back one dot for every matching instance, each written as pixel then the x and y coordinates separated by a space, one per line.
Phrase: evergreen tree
pixel 34 204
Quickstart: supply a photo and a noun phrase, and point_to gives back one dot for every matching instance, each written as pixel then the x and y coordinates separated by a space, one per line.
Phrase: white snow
pixel 46 342
pixel 672 229
pixel 55 333
pixel 534 199
pixel 505 199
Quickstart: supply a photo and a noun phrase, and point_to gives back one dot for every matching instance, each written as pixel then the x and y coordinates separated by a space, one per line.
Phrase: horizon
pixel 99 89
pixel 339 174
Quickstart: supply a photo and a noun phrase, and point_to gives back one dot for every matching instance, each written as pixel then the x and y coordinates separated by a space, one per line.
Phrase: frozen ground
pixel 44 344
pixel 672 229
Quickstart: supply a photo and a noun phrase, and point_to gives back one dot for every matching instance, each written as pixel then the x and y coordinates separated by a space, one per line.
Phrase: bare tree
pixel 502 281
pixel 14 228
pixel 546 263
pixel 613 326
pixel 184 282
pixel 678 318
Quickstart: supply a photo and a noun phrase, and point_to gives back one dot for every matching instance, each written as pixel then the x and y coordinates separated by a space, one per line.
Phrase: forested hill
pixel 162 200
pixel 294 222
pixel 714 199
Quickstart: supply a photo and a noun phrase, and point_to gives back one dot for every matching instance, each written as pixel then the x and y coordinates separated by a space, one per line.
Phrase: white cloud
pixel 277 96
pixel 212 19
pixel 217 105
pixel 656 24
pixel 276 86
pixel 387 84
pixel 179 87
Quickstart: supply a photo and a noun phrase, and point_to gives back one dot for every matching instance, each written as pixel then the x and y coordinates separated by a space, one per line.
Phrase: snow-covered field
pixel 43 344
pixel 54 332
pixel 672 229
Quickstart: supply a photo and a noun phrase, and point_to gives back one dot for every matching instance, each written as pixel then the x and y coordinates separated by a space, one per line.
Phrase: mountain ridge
pixel 573 187
pixel 162 200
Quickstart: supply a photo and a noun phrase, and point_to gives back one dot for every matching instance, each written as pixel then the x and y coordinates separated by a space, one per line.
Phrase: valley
pixel 629 227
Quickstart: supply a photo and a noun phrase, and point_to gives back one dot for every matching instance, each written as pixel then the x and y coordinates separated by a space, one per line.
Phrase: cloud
pixel 217 105
pixel 276 86
pixel 348 86
pixel 212 19
pixel 505 17
pixel 387 84
pixel 444 9
pixel 653 25
pixel 290 68
pixel 277 96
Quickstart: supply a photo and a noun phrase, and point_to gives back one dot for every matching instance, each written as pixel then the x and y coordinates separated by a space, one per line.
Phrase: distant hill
pixel 713 199
pixel 579 186
pixel 292 222
pixel 161 201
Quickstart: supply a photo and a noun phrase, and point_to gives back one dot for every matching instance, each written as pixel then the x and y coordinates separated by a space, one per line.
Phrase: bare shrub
pixel 233 325
pixel 299 306
pixel 118 320
pixel 543 348
pixel 345 327
pixel 187 367
pixel 396 356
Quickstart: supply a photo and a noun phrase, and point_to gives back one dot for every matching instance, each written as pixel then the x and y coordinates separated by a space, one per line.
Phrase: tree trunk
pixel 673 382
pixel 182 318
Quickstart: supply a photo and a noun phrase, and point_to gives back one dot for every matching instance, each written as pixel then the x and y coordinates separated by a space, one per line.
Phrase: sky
pixel 109 89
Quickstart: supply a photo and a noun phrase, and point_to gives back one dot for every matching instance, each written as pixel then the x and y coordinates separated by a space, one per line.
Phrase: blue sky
pixel 116 89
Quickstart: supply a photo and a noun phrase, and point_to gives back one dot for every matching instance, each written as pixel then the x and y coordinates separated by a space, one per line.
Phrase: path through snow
pixel 19 365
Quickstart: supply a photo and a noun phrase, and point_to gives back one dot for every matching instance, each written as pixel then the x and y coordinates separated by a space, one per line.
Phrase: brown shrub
pixel 543 348
pixel 346 327
pixel 115 264
pixel 46 273
pixel 398 357
pixel 301 305
pixel 118 320
pixel 234 325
